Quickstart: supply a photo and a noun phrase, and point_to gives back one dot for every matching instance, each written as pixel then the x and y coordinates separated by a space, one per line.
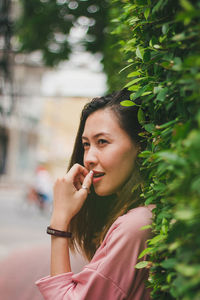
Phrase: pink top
pixel 110 274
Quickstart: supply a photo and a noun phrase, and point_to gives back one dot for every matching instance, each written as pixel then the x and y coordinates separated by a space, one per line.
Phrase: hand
pixel 69 195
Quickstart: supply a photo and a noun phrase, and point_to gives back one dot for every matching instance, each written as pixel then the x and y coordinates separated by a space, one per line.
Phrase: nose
pixel 90 158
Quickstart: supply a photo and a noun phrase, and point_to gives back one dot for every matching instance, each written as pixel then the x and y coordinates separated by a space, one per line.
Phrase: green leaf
pixel 165 28
pixel 146 93
pixel 156 46
pixel 168 263
pixel 157 6
pixel 150 200
pixel 138 93
pixel 146 227
pixel 153 41
pixel 188 270
pixel 134 74
pixel 157 239
pixel 186 5
pixel 146 13
pixel 157 89
pixel 162 94
pixel 139 52
pixel 179 37
pixel 167 65
pixel 144 252
pixel 133 20
pixel 149 127
pixel 195 186
pixel 145 153
pixel 132 82
pixel 174 246
pixel 125 68
pixel 127 103
pixel 184 214
pixel 134 88
pixel 141 264
pixel 177 66
pixel 140 116
pixel 171 157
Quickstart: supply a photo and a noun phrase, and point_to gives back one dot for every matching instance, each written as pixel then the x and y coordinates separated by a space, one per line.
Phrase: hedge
pixel 158 44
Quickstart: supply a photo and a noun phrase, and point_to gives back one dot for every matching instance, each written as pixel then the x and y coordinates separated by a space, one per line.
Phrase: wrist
pixel 59 224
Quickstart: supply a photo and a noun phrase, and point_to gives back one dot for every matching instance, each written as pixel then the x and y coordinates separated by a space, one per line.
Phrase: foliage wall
pixel 159 41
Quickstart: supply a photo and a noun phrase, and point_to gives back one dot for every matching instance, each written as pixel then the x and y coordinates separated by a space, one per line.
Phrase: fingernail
pixel 91 173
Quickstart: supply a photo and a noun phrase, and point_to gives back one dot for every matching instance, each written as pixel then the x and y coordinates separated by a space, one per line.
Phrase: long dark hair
pixel 92 222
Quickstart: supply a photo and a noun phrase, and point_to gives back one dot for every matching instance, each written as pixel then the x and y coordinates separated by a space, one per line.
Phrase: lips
pixel 97 176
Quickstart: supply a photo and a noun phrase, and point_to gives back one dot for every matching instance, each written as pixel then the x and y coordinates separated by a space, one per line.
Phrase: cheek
pixel 110 158
pixel 119 159
pixel 126 159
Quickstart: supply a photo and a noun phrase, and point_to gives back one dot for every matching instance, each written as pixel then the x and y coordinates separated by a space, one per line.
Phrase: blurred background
pixel 50 66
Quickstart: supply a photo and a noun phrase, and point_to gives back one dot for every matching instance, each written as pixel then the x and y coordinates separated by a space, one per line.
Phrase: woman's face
pixel 108 151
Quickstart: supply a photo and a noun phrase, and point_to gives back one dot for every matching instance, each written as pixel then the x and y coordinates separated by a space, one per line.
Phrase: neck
pixel 130 185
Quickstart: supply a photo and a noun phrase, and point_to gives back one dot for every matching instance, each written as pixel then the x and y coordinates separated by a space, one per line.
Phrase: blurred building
pixel 20 123
pixel 20 102
pixel 67 89
pixel 39 107
pixel 5 78
pixel 59 125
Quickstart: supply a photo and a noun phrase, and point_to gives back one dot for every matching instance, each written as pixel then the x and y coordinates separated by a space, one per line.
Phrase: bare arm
pixel 60 260
pixel 68 200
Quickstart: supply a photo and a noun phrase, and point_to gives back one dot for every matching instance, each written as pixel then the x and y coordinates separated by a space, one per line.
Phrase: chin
pixel 103 193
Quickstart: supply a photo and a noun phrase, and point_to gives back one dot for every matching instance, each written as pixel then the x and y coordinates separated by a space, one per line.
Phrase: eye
pixel 102 142
pixel 85 145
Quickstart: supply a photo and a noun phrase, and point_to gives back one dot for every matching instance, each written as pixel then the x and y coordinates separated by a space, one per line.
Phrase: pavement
pixel 20 270
pixel 22 224
pixel 24 246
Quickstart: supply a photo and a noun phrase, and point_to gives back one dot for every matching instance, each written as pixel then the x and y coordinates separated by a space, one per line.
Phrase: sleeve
pixel 111 273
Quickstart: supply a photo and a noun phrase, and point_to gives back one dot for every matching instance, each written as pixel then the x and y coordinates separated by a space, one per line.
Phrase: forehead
pixel 103 120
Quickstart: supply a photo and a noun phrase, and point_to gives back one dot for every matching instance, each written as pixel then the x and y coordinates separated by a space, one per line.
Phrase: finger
pixel 81 178
pixel 77 185
pixel 75 170
pixel 87 183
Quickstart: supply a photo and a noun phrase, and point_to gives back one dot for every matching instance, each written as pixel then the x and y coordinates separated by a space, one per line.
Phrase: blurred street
pixel 22 225
pixel 24 246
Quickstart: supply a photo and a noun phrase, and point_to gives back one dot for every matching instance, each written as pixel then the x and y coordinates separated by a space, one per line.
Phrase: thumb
pixel 86 184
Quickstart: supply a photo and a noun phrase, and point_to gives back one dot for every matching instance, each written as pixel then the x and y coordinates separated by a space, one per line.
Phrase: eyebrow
pixel 96 135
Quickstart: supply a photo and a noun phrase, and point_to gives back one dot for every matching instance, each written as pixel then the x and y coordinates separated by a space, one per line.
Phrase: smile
pixel 97 176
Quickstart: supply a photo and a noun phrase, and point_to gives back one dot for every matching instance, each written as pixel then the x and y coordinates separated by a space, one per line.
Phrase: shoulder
pixel 139 216
pixel 125 236
pixel 130 224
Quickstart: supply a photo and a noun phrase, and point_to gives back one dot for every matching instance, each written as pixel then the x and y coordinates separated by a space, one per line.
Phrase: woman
pixel 98 201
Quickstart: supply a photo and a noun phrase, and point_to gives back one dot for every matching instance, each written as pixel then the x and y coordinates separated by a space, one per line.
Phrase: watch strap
pixel 59 233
